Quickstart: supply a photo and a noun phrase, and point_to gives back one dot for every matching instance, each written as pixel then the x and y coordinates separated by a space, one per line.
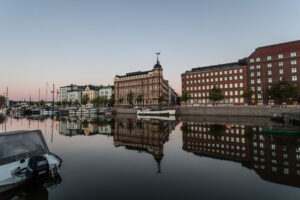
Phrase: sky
pixel 62 42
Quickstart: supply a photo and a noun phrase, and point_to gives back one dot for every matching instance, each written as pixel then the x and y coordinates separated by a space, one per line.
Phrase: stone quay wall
pixel 259 111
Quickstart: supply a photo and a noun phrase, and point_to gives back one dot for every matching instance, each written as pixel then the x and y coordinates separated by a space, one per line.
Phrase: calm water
pixel 126 158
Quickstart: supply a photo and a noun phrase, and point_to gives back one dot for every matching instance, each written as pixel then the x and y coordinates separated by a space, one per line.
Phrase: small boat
pixel 25 159
pixel 282 131
pixel 156 112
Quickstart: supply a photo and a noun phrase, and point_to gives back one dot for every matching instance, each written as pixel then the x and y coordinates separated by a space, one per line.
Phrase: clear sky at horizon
pixel 89 42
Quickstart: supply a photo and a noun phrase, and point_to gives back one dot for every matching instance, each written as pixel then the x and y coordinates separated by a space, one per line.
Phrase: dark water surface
pixel 126 158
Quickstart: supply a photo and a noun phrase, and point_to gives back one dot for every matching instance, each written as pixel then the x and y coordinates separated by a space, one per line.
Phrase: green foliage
pixel 76 102
pixel 64 102
pixel 85 99
pixel 42 102
pixel 139 99
pixel 130 98
pixel 111 101
pixel 215 94
pixel 121 100
pixel 58 103
pixel 185 97
pixel 283 90
pixel 248 95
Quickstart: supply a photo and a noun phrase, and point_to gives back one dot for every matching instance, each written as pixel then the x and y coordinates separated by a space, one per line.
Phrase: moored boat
pixel 25 159
pixel 155 112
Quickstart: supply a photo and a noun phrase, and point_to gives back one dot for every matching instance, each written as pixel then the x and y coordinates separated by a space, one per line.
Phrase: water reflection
pixel 275 158
pixel 143 135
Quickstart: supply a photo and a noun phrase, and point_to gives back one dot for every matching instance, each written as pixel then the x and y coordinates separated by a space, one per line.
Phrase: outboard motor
pixel 38 169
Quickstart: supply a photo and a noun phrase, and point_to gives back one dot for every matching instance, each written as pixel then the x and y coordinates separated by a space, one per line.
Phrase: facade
pixel 106 91
pixel 149 84
pixel 91 91
pixel 63 91
pixel 270 64
pixel 172 97
pixel 231 78
pixel 75 95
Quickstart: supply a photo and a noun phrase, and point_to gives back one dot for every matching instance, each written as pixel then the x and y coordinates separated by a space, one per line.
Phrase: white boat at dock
pixel 165 118
pixel 155 112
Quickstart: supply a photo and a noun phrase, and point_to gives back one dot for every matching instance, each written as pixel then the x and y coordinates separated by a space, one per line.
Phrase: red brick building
pixel 149 84
pixel 229 77
pixel 270 64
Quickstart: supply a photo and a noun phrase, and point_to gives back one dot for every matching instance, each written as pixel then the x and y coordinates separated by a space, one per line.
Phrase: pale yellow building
pixel 91 91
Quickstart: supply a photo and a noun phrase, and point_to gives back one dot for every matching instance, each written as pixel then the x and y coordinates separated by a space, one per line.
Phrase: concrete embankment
pixel 247 111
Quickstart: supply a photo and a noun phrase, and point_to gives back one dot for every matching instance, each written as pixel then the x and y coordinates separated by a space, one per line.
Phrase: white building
pixel 106 91
pixel 74 95
pixel 63 91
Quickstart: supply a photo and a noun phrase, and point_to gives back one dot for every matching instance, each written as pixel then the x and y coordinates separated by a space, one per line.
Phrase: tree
pixel 111 101
pixel 64 102
pixel 215 94
pixel 85 99
pixel 42 102
pixel 2 101
pixel 130 98
pixel 139 99
pixel 58 103
pixel 185 97
pixel 248 95
pixel 121 100
pixel 76 102
pixel 95 101
pixel 283 91
pixel 69 103
pixel 161 99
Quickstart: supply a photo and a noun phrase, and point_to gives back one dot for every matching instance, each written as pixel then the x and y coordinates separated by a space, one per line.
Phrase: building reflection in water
pixel 73 127
pixel 143 135
pixel 275 158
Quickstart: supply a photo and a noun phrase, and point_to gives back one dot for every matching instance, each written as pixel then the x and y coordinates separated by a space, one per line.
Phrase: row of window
pixel 214 73
pixel 226 93
pixel 226 100
pixel 270 80
pixel 215 79
pixel 280 56
pixel 221 86
pixel 269 72
pixel 269 65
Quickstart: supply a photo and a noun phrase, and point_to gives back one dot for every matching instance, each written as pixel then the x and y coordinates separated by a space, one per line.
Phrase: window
pixel 257 59
pixel 258 81
pixel 230 78
pixel 241 85
pixel 269 80
pixel 280 64
pixel 269 58
pixel 251 60
pixel 252 74
pixel 235 71
pixel 241 70
pixel 230 71
pixel 293 62
pixel 294 70
pixel 216 73
pixel 269 72
pixel 235 85
pixel 257 66
pixel 280 56
pixel 251 67
pixel 241 77
pixel 293 54
pixel 235 77
pixel 257 73
pixel 258 88
pixel 269 65
pixel 230 85
pixel 221 73
pixel 294 78
pixel 280 71
pixel 252 81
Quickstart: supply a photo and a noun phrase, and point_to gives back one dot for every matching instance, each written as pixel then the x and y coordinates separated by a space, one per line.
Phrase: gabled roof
pixel 92 87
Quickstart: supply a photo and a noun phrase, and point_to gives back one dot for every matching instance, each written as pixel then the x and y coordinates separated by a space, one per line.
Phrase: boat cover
pixel 21 144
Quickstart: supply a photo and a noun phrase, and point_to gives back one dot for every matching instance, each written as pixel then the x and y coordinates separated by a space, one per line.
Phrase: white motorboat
pixel 25 158
pixel 155 112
